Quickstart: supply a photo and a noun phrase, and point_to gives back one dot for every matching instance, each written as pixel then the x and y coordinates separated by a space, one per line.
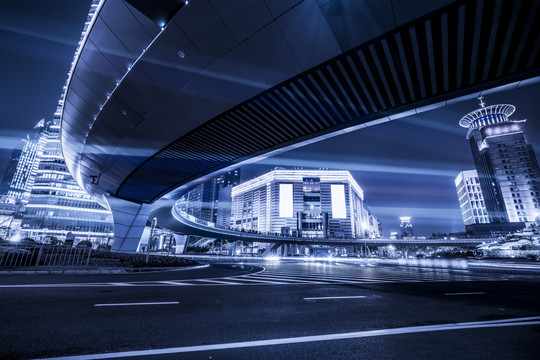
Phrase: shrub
pixel 84 243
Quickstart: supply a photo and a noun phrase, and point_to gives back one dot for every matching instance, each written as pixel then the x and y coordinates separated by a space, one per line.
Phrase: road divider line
pixel 301 339
pixel 335 297
pixel 255 280
pixel 210 281
pixel 172 283
pixel 120 284
pixel 137 304
pixel 467 293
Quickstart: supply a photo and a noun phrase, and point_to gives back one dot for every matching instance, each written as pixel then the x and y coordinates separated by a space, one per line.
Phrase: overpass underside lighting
pixel 366 164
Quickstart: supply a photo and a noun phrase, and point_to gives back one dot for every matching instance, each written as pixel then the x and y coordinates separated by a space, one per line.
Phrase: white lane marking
pixel 305 339
pixel 137 304
pixel 120 284
pixel 172 283
pixel 467 293
pixel 335 297
pixel 255 280
pixel 215 282
pixel 305 277
pixel 287 279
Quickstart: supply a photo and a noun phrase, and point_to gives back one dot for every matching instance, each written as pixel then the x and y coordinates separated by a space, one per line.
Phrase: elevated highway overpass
pixel 165 94
pixel 172 218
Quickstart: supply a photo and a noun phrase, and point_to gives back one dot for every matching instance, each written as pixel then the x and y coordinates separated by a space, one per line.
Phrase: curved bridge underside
pixel 159 99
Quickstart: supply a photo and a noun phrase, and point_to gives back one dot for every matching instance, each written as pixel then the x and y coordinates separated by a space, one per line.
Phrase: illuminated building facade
pixel 471 200
pixel 303 203
pixel 406 227
pixel 10 215
pixel 57 205
pixel 508 171
pixel 203 201
pixel 11 168
pixel 21 172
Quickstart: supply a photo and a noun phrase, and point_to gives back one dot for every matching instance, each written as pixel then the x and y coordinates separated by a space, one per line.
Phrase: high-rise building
pixel 57 205
pixel 10 169
pixel 471 200
pixel 21 172
pixel 304 203
pixel 507 168
pixel 203 200
pixel 406 227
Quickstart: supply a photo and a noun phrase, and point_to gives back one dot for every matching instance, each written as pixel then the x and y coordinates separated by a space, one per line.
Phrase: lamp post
pixel 152 227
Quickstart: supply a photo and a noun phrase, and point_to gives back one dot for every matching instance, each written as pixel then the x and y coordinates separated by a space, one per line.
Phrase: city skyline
pixel 398 163
pixel 383 158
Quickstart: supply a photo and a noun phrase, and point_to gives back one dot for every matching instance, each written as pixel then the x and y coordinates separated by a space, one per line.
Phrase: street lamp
pixel 152 227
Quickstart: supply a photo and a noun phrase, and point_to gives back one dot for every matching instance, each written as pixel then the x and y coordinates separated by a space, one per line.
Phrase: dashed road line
pixel 139 304
pixel 335 297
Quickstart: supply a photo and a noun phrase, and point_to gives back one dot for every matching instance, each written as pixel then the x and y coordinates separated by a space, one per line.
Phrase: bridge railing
pixel 204 225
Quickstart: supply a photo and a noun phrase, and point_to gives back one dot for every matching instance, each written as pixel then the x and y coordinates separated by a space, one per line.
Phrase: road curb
pixel 98 271
pixel 506 271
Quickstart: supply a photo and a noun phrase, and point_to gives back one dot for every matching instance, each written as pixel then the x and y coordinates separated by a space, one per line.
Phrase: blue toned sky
pixel 37 41
pixel 406 167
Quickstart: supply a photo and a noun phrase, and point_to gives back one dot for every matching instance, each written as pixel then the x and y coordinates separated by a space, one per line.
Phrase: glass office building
pixel 20 175
pixel 303 203
pixel 57 205
pixel 210 201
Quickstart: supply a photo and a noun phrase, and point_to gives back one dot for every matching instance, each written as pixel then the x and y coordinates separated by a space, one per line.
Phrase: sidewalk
pixel 93 271
pixel 529 268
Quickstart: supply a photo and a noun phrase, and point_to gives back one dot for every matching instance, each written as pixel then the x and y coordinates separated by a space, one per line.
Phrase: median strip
pixel 335 297
pixel 137 304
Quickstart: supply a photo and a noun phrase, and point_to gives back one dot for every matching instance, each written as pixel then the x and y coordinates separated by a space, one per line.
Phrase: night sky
pixel 406 167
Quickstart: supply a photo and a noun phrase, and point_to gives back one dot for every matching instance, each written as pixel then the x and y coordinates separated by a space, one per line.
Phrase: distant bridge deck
pixel 194 226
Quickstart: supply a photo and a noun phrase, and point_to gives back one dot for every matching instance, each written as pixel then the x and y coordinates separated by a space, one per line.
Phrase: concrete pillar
pixel 231 248
pixel 181 241
pixel 129 222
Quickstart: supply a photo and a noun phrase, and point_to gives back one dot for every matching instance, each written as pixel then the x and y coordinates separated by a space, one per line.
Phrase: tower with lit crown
pixel 507 168
pixel 406 227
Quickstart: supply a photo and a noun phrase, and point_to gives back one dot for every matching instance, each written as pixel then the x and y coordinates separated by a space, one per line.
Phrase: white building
pixel 304 203
pixel 471 201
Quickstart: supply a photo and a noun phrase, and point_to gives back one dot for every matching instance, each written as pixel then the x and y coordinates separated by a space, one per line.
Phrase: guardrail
pixel 213 230
pixel 43 256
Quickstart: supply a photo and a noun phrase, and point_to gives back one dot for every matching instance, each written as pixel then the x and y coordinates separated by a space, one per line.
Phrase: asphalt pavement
pixel 273 311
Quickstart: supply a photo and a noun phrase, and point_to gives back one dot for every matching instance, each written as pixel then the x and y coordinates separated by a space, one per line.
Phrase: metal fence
pixel 43 255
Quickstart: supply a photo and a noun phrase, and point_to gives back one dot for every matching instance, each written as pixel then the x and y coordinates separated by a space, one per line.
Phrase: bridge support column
pixel 231 248
pixel 129 222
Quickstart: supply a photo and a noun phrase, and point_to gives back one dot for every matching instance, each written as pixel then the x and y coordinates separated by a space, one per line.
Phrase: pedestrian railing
pixel 43 256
